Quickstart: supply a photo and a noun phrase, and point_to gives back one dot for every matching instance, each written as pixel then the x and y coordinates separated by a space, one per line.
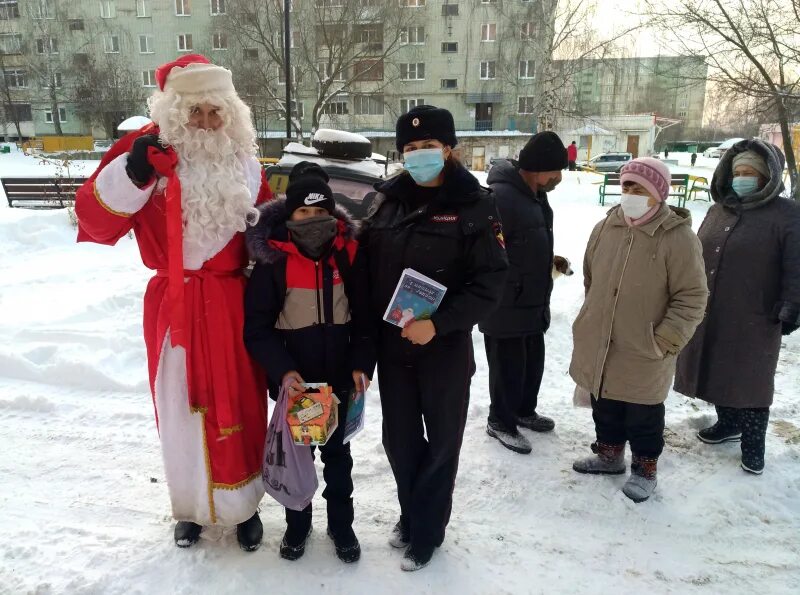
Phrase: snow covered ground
pixel 86 509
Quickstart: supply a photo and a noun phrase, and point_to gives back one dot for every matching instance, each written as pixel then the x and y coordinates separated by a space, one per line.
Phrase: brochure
pixel 416 298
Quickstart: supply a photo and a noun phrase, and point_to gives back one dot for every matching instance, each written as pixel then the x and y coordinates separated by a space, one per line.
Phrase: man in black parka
pixel 514 333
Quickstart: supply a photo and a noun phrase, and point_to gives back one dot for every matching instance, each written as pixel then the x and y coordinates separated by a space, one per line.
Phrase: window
pixel 111 44
pixel 489 32
pixel 42 9
pixel 54 80
pixel 148 78
pixel 326 69
pixel 76 25
pixel 449 83
pixel 294 39
pixel 526 31
pixel 526 69
pixel 219 41
pixel 368 105
pixel 412 35
pixel 22 112
pixel 183 8
pixel 682 114
pixel 14 79
pixel 10 43
pixel 108 9
pixel 329 3
pixel 412 4
pixel 449 47
pixel 526 105
pixel 372 34
pixel 336 107
pixel 293 105
pixel 297 76
pixel 368 70
pixel 145 44
pixel 62 115
pixel 251 53
pixel 488 69
pixel 412 72
pixel 46 45
pixel 217 7
pixel 408 104
pixel 9 9
pixel 450 10
pixel 185 42
pixel 80 59
pixel 141 8
pixel 491 1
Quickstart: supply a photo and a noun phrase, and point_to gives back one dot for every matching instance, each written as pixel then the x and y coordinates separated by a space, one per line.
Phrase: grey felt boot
pixel 609 460
pixel 642 482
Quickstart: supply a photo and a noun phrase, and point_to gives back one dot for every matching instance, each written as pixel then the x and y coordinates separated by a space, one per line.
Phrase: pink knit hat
pixel 650 173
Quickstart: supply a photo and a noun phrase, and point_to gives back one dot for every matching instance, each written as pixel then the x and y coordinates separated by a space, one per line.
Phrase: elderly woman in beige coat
pixel 645 295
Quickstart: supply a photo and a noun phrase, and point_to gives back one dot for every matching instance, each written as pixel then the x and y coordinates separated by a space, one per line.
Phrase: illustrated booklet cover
pixel 355 413
pixel 416 298
pixel 313 416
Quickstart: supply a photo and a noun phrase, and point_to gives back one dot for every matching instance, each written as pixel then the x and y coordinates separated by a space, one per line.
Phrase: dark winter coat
pixel 751 250
pixel 456 239
pixel 302 315
pixel 528 230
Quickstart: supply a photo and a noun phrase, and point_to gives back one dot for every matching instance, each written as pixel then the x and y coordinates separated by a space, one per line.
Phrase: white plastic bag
pixel 581 397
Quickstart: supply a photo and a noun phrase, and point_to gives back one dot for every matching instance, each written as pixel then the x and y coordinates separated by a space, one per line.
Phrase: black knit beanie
pixel 543 152
pixel 308 187
pixel 426 122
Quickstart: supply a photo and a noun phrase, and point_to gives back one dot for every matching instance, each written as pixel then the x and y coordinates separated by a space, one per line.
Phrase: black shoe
pixel 293 544
pixel 348 549
pixel 512 440
pixel 719 433
pixel 400 537
pixel 417 556
pixel 187 533
pixel 537 423
pixel 249 533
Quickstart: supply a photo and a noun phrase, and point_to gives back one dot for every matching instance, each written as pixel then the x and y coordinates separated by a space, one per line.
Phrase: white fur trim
pixel 199 78
pixel 184 452
pixel 253 169
pixel 115 189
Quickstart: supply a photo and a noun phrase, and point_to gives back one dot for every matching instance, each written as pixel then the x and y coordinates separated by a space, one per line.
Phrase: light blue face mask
pixel 743 185
pixel 424 164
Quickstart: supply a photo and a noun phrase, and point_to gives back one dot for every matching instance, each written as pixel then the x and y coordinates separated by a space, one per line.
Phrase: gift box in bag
pixel 314 415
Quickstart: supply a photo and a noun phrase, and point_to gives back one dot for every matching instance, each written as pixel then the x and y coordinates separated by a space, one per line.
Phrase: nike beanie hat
pixel 308 187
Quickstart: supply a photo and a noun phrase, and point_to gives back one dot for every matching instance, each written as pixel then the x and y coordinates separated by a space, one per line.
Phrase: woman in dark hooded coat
pixel 751 248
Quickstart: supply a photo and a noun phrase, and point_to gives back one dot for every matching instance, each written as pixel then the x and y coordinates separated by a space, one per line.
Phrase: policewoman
pixel 434 218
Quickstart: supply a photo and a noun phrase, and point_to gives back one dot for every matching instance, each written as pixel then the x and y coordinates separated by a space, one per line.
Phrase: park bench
pixel 41 193
pixel 699 184
pixel 679 188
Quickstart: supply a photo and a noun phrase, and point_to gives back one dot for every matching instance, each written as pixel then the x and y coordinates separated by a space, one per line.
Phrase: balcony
pixel 483 125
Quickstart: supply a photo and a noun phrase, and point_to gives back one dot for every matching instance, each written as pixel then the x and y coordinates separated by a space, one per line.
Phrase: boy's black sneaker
pixel 187 533
pixel 417 556
pixel 293 544
pixel 348 550
pixel 249 533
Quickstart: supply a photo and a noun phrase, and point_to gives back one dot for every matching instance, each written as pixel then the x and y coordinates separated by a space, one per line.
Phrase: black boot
pixel 417 556
pixel 726 429
pixel 249 533
pixel 401 535
pixel 346 543
pixel 754 436
pixel 298 529
pixel 187 533
pixel 537 423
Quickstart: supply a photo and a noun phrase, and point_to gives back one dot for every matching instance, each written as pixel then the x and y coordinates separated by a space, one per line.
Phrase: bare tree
pixel 751 48
pixel 11 50
pixel 338 46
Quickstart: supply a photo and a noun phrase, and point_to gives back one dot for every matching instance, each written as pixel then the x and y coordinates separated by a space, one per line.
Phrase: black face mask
pixel 549 186
pixel 313 237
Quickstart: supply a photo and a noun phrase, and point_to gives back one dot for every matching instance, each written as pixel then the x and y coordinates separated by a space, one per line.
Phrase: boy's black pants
pixel 425 395
pixel 617 422
pixel 337 467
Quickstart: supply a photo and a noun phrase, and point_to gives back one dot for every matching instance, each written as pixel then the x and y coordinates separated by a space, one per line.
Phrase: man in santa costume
pixel 188 186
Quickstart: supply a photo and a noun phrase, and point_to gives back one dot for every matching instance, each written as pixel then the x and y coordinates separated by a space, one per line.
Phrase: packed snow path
pixel 86 509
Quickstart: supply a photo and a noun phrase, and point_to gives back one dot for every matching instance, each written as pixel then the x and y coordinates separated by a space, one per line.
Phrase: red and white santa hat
pixel 195 74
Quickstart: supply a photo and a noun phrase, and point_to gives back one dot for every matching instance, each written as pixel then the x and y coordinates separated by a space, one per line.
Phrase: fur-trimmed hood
pixel 721 190
pixel 272 226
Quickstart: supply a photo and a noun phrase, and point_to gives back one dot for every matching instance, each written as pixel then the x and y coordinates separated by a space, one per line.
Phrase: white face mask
pixel 634 205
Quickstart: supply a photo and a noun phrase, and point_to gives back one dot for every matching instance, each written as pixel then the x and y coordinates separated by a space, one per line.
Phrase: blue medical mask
pixel 424 164
pixel 743 185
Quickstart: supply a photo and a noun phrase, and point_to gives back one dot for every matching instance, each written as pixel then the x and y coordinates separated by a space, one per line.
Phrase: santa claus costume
pixel 188 219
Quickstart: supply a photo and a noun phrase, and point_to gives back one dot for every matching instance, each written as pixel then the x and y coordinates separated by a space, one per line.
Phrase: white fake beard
pixel 215 197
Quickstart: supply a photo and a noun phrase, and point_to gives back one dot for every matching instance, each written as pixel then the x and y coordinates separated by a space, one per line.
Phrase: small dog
pixel 561 266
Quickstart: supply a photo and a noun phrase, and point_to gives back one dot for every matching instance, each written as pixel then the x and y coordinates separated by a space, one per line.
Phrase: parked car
pixel 719 151
pixel 607 162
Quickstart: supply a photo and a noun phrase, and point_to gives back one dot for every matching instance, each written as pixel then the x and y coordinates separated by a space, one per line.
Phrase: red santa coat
pixel 208 394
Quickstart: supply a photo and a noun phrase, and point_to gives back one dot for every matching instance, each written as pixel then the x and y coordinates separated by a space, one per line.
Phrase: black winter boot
pixel 417 556
pixel 726 429
pixel 401 535
pixel 187 533
pixel 298 529
pixel 346 543
pixel 754 436
pixel 536 423
pixel 249 533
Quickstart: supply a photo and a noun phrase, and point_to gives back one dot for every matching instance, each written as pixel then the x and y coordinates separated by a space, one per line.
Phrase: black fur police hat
pixel 426 122
pixel 543 152
pixel 308 187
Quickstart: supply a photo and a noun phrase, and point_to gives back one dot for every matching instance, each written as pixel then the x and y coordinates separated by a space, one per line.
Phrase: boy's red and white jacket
pixel 312 317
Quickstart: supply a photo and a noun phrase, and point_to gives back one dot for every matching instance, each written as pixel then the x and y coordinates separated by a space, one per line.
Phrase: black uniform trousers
pixel 617 422
pixel 337 467
pixel 516 366
pixel 424 396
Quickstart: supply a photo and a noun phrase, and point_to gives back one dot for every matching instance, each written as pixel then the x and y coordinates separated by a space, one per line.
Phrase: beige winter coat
pixel 645 295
